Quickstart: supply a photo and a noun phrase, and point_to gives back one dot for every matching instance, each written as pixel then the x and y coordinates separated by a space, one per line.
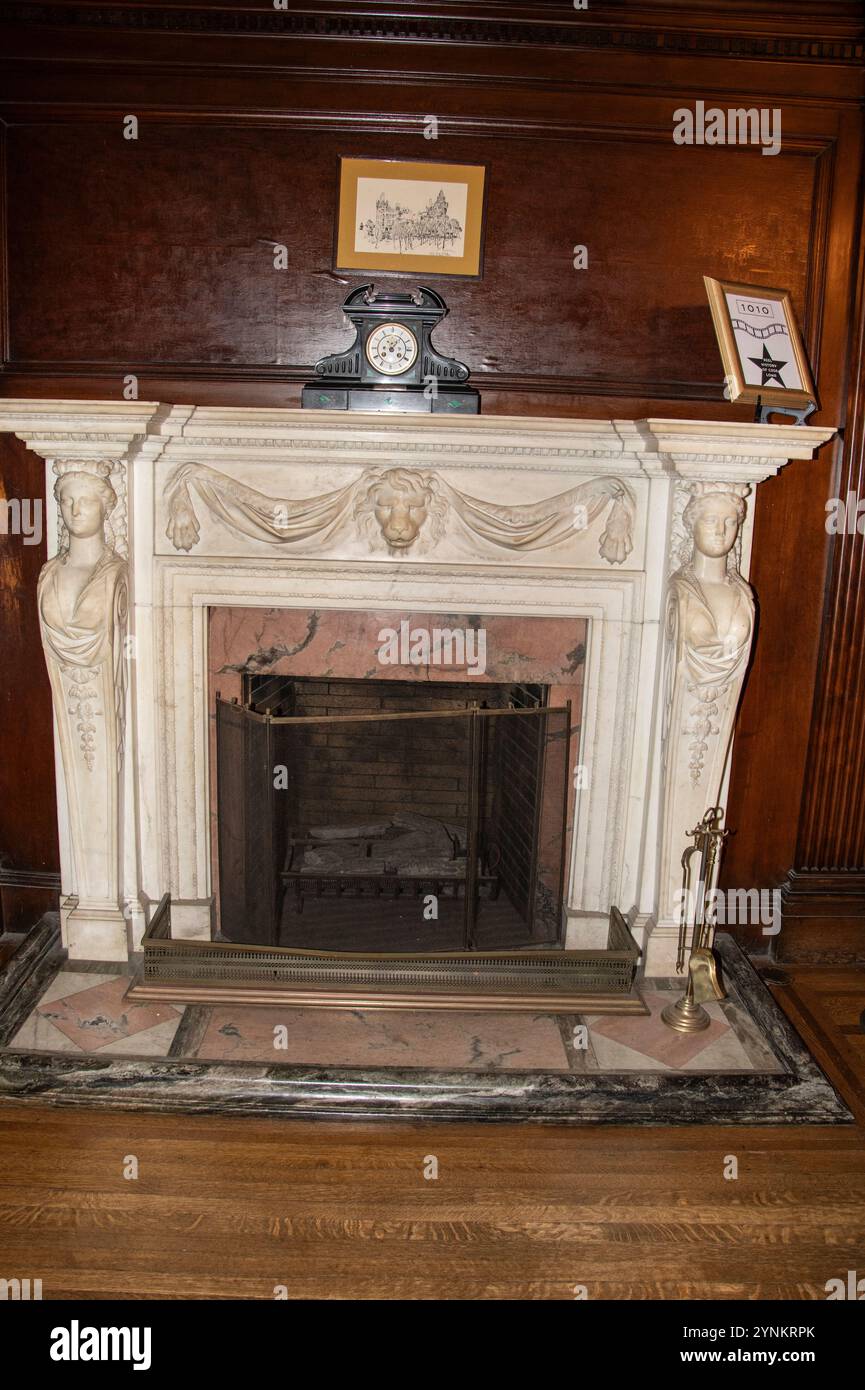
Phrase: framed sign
pixel 410 217
pixel 761 346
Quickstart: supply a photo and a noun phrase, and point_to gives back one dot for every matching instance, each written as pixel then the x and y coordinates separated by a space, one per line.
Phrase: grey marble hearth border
pixel 800 1094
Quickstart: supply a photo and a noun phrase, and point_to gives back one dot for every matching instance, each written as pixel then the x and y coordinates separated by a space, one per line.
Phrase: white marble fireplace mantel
pixel 643 528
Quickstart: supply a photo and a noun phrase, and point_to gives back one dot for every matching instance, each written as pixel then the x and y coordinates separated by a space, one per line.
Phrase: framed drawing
pixel 761 346
pixel 410 217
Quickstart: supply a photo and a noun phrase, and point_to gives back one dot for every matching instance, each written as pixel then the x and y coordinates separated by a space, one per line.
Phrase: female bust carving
pixel 82 598
pixel 712 609
pixel 710 623
pixel 78 589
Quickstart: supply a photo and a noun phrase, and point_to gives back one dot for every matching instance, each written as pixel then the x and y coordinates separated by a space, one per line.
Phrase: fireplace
pixel 391 816
pixel 631 536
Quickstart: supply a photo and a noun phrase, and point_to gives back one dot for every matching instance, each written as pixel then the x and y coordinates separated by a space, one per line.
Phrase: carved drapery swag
pixel 406 504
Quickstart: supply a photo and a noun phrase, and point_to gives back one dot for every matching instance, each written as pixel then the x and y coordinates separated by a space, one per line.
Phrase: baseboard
pixel 822 918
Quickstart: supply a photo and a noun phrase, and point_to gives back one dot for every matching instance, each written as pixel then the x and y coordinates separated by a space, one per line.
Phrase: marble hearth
pixel 635 535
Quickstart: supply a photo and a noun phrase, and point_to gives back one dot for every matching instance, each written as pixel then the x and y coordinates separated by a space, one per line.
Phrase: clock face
pixel 391 349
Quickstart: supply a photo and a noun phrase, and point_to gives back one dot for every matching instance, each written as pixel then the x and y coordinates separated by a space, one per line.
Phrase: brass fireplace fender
pixel 204 972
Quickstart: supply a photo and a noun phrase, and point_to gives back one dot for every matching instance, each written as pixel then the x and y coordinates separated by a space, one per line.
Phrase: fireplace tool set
pixel 687 1015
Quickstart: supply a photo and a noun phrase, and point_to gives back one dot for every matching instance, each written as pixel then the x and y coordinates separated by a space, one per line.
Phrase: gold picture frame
pixel 410 217
pixel 755 317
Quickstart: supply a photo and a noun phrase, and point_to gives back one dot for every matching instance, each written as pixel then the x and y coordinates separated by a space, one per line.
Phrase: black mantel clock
pixel 392 365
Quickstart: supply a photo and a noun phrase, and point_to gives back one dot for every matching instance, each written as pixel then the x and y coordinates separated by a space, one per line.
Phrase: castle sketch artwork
pixel 406 215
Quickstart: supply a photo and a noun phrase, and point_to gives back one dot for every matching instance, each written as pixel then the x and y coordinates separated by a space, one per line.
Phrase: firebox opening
pixel 392 816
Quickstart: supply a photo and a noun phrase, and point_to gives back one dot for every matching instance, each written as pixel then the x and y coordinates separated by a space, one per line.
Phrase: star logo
pixel 770 368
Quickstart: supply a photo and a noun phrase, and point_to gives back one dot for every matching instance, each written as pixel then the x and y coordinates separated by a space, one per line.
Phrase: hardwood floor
pixel 231 1208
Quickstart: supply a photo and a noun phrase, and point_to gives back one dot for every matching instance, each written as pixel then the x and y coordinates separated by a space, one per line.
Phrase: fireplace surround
pixel 637 532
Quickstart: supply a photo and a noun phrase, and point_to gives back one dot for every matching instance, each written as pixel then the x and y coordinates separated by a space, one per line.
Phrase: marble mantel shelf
pixel 158 513
pixel 87 427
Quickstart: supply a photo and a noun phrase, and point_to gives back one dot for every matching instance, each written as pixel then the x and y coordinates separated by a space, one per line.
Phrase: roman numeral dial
pixel 391 349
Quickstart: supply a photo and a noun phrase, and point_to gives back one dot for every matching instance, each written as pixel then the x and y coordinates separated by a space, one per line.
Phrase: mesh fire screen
pixel 437 829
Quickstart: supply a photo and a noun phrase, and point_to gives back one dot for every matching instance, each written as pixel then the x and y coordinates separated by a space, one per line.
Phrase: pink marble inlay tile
pixel 346 643
pixel 387 1038
pixel 653 1038
pixel 91 1018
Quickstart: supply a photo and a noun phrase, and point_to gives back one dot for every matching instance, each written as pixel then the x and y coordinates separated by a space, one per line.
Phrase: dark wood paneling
pixel 28 830
pixel 190 279
pixel 750 28
pixel 824 895
pixel 788 573
pixel 152 256
pixel 832 827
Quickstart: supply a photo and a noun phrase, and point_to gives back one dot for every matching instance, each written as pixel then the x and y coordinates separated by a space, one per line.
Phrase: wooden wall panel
pixel 824 894
pixel 186 275
pixel 28 833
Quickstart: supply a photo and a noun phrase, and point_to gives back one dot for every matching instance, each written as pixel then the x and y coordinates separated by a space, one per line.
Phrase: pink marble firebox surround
pixel 338 643
pixel 322 643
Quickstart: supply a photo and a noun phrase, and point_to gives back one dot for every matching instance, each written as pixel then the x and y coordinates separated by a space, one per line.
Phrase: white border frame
pixel 177 858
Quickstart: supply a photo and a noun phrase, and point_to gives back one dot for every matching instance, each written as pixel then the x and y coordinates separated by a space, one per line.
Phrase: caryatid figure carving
pixel 82 597
pixel 709 625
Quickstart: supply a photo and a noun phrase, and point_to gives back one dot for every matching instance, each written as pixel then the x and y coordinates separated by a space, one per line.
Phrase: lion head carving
pixel 402 502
